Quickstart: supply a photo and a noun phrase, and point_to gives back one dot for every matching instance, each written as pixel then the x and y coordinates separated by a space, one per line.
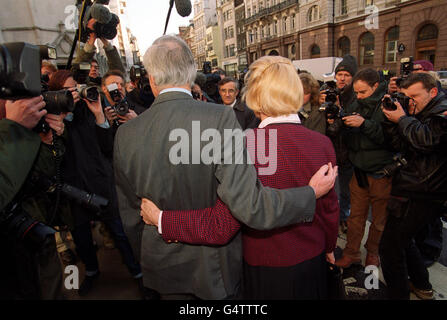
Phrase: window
pixel 369 3
pixel 428 32
pixel 343 7
pixel 392 38
pixel 293 22
pixel 315 51
pixel 284 24
pixel 344 46
pixel 367 48
pixel 275 27
pixel 313 14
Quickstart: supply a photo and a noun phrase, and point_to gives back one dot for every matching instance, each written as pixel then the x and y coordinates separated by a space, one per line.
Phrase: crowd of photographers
pixel 389 138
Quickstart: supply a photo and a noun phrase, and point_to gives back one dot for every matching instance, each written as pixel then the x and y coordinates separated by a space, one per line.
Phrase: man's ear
pixel 153 85
pixel 433 92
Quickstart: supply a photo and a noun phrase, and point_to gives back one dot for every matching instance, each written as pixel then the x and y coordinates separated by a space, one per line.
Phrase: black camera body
pixel 329 106
pixel 388 102
pixel 107 22
pixel 406 68
pixel 139 74
pixel 17 224
pixel 20 78
pixel 121 106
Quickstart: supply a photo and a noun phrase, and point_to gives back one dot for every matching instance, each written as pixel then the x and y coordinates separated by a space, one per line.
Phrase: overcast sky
pixel 147 20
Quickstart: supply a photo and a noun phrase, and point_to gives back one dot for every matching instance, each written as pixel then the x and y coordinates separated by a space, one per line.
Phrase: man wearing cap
pixel 344 72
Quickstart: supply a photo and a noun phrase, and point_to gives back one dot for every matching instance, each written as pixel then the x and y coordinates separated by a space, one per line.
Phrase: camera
pixel 399 161
pixel 106 22
pixel 329 106
pixel 89 93
pixel 406 68
pixel 139 74
pixel 388 102
pixel 20 78
pixel 17 223
pixel 121 106
pixel 81 72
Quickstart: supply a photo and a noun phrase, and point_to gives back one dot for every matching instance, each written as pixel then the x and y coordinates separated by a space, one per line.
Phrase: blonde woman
pixel 283 263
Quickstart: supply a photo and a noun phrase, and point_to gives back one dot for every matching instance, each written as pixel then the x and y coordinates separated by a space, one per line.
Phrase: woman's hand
pixel 149 212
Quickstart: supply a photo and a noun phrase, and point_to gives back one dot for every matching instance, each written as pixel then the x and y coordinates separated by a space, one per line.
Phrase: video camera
pixel 20 78
pixel 106 22
pixel 139 74
pixel 406 68
pixel 388 102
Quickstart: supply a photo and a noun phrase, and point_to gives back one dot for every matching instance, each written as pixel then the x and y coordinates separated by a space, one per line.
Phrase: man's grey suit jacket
pixel 143 169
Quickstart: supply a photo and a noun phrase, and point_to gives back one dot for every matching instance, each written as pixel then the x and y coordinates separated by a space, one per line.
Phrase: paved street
pixel 115 282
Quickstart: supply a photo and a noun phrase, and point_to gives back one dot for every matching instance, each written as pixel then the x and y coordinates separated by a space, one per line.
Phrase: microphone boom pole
pixel 171 4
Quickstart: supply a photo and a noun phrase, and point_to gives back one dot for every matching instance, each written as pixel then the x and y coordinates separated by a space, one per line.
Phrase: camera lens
pixel 90 93
pixel 58 101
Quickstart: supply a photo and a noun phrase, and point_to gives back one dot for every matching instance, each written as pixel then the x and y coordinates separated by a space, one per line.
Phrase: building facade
pixel 227 24
pixel 377 32
pixel 40 22
pixel 241 35
pixel 214 46
pixel 124 41
pixel 204 16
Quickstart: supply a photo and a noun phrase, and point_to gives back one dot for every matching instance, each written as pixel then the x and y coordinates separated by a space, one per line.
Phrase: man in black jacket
pixel 419 188
pixel 229 90
pixel 344 73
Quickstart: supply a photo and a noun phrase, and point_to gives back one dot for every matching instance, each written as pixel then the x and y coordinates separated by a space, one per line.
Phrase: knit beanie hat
pixel 348 64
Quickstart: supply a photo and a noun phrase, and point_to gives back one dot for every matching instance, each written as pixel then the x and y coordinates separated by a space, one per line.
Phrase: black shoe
pixel 146 293
pixel 87 284
pixel 68 257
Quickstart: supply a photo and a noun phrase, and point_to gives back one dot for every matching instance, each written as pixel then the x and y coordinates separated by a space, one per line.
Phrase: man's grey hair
pixel 170 61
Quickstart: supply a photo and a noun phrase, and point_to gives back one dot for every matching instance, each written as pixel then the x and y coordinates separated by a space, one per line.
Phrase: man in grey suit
pixel 146 166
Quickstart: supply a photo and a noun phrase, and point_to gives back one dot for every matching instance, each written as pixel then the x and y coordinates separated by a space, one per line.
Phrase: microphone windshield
pixel 183 7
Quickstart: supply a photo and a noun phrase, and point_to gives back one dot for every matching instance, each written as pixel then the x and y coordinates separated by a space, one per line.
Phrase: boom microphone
pixel 183 7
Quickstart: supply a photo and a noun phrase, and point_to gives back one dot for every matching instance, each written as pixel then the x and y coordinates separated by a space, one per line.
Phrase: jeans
pixel 342 188
pixel 399 255
pixel 82 236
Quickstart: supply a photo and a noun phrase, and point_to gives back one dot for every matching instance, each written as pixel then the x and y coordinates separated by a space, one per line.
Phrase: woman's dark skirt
pixel 304 281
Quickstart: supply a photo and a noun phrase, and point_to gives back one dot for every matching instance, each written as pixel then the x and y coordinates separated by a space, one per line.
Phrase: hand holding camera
pixel 56 122
pixel 392 109
pixel 354 120
pixel 26 112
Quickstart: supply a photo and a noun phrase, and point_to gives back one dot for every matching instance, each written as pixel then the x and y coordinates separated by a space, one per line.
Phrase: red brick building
pixel 377 32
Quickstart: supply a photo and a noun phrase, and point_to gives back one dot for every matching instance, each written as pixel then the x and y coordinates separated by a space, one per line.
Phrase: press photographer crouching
pixel 418 132
pixel 85 166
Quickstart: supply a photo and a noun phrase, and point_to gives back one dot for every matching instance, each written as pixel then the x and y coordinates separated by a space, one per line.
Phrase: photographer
pixel 369 186
pixel 344 72
pixel 419 190
pixel 32 269
pixel 310 115
pixel 115 99
pixel 86 167
pixel 141 93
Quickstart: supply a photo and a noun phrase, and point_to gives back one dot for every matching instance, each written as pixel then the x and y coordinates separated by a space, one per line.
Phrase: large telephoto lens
pixel 58 102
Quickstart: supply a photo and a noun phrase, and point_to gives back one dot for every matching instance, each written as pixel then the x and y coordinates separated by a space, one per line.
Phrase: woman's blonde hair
pixel 273 87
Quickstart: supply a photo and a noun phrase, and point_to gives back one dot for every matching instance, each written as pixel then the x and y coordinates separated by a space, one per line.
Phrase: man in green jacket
pixel 29 272
pixel 369 186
